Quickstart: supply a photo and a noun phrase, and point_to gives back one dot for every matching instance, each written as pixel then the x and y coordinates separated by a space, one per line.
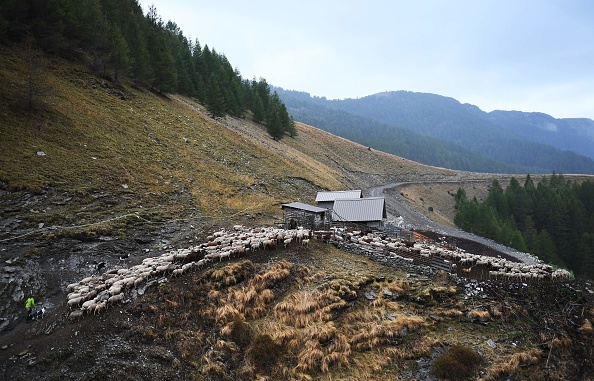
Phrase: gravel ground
pixel 401 214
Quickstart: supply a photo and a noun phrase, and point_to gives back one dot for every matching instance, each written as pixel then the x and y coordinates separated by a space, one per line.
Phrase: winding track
pixel 397 207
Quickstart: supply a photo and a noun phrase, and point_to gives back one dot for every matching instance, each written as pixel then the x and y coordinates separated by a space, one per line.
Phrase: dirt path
pixel 402 214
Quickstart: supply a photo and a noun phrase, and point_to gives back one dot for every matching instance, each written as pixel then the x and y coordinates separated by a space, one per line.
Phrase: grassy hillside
pixel 142 149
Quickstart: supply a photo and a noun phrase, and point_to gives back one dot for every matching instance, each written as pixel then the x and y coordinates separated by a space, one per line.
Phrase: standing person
pixel 29 305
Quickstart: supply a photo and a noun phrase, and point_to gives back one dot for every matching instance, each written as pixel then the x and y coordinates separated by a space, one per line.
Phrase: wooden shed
pixel 300 214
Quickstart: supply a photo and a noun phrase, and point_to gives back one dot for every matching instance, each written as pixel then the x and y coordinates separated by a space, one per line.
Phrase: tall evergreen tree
pixel 164 74
pixel 273 118
pixel 292 130
pixel 119 53
pixel 258 108
pixel 215 101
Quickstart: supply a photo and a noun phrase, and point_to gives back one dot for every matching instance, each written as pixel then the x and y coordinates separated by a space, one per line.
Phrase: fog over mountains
pixel 441 131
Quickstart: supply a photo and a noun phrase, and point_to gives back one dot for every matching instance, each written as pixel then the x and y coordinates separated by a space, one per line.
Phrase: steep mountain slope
pixel 89 134
pixel 98 177
pixel 443 118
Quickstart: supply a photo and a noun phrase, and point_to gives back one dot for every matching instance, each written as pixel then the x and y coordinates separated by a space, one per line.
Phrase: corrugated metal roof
pixel 337 195
pixel 302 206
pixel 359 209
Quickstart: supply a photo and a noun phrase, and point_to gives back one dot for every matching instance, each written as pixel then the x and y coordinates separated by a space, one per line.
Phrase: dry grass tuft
pixel 277 272
pixel 495 311
pixel 452 312
pixel 586 327
pixel 508 365
pixel 230 274
pixel 478 315
pixel 302 325
pixel 226 313
pixel 239 331
pixel 561 342
pixel 342 288
pixel 371 335
pixel 226 346
pixel 363 315
pixel 213 294
pixel 280 333
pixel 310 357
pixel 213 367
pixel 301 303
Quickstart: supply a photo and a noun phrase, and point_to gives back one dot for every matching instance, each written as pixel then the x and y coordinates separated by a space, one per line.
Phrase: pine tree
pixel 258 109
pixel 119 57
pixel 276 117
pixel 162 62
pixel 215 101
pixel 292 129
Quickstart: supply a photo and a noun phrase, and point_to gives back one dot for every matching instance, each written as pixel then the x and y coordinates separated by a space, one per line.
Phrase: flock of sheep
pixel 96 293
pixel 462 262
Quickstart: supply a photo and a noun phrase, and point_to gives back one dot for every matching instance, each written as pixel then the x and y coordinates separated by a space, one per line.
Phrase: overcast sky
pixel 526 55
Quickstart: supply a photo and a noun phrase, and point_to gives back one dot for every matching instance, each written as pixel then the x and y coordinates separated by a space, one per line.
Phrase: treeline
pixel 120 42
pixel 553 220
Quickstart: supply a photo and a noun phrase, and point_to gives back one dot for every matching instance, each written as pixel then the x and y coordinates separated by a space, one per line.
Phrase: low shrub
pixel 241 333
pixel 457 363
pixel 265 353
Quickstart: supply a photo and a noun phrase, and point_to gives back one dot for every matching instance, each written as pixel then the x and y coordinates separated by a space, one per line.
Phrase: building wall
pixel 326 204
pixel 304 218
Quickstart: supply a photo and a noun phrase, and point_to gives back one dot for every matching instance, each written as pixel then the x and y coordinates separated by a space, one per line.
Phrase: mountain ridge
pixel 447 119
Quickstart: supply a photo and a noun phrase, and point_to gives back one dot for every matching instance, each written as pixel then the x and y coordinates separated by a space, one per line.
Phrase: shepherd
pixel 29 305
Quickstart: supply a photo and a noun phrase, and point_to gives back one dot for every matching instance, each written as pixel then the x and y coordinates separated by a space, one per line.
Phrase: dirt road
pixel 402 214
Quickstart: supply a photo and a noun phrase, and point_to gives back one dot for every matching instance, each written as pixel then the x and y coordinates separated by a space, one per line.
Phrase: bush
pixel 265 352
pixel 241 332
pixel 457 363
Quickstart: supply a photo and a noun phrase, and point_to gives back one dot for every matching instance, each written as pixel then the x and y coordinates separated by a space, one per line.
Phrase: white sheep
pixel 225 254
pixel 75 315
pixel 100 307
pixel 89 306
pixel 115 298
pixel 74 302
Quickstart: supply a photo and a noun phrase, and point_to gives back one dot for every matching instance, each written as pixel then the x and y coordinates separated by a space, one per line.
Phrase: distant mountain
pixel 465 137
pixel 573 134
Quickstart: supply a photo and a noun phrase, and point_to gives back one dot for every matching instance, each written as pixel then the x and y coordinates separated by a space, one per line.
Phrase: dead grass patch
pixel 586 327
pixel 371 335
pixel 508 365
pixel 479 315
pixel 452 313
